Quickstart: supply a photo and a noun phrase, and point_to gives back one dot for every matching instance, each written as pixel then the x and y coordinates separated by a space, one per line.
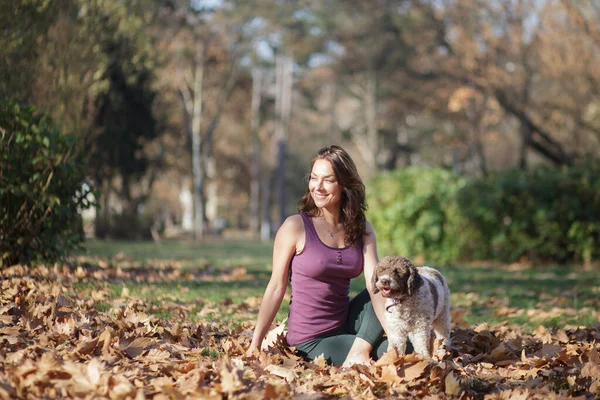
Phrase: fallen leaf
pixel 389 374
pixel 412 372
pixel 138 346
pixel 285 373
pixel 272 335
pixel 320 361
pixel 389 357
pixel 561 336
pixel 593 355
pixel 591 370
pixel 452 385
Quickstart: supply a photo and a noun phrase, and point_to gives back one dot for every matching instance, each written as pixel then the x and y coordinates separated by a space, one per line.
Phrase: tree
pixel 207 67
pixel 25 25
pixel 124 124
pixel 503 50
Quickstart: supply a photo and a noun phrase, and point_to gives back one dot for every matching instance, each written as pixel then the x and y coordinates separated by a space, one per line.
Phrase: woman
pixel 320 250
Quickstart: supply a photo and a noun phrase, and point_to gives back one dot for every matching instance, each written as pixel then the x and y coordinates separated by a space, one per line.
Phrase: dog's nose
pixel 385 281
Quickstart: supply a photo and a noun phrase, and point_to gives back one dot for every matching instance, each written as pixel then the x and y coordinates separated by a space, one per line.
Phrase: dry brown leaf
pixel 191 381
pixel 414 371
pixel 548 351
pixel 389 374
pixel 138 346
pixel 7 392
pixel 500 353
pixel 320 361
pixel 156 355
pixel 122 389
pixel 231 376
pixel 288 374
pixel 562 336
pixel 105 338
pixel 452 385
pixel 86 346
pixel 56 345
pixel 591 370
pixel 389 357
pixel 410 358
pixel 271 337
pixel 593 355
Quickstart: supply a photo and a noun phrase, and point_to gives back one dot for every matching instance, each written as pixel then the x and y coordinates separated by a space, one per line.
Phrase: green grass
pixel 555 296
pixel 220 253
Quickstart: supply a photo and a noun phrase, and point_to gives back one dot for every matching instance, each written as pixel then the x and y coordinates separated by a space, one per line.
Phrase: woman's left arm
pixel 361 349
pixel 370 262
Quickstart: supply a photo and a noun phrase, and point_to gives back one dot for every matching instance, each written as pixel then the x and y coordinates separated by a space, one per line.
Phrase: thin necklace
pixel 332 233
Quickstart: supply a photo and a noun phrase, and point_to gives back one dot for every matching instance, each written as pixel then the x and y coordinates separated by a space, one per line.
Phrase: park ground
pixel 140 320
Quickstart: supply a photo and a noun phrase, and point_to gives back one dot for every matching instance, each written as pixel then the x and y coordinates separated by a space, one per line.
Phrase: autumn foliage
pixel 64 335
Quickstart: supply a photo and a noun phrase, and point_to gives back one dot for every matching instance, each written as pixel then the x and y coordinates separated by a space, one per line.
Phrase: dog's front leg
pixel 397 341
pixel 420 339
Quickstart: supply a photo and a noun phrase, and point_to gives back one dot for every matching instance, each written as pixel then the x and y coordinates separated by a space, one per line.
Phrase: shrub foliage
pixel 414 213
pixel 41 176
pixel 544 214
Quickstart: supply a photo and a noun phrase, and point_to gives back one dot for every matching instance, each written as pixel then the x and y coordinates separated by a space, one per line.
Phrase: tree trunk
pixel 207 154
pixel 367 142
pixel 475 114
pixel 267 190
pixel 283 108
pixel 102 223
pixel 197 167
pixel 211 198
pixel 371 117
pixel 525 131
pixel 255 163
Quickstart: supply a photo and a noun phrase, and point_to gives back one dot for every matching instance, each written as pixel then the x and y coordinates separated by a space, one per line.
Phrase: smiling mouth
pixel 385 292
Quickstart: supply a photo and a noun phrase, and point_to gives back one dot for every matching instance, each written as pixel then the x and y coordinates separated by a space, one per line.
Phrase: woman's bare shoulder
pixel 369 228
pixel 293 225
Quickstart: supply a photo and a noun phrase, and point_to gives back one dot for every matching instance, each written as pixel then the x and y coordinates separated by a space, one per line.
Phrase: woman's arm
pixel 370 262
pixel 284 247
pixel 361 349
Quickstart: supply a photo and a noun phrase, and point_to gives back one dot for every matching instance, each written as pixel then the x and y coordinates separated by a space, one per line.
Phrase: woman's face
pixel 324 188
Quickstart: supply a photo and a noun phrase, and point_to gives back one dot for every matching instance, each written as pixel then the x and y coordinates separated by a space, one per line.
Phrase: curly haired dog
pixel 418 299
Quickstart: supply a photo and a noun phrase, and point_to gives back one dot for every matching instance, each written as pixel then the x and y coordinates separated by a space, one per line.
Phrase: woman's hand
pixel 359 353
pixel 252 350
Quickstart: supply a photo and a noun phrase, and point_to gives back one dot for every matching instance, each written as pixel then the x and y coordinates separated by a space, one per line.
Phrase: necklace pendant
pixel 330 235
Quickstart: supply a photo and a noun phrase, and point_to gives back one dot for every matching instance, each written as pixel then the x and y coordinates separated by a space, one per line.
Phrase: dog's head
pixel 396 277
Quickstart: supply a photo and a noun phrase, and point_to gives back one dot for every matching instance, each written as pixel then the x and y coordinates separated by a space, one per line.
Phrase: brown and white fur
pixel 418 300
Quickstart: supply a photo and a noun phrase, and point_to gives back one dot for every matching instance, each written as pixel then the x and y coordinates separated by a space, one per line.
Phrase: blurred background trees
pixel 201 117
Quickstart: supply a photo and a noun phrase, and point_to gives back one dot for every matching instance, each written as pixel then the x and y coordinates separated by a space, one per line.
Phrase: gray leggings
pixel 362 322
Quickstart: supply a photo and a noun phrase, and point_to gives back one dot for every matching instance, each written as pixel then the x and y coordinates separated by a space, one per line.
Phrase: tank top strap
pixel 309 227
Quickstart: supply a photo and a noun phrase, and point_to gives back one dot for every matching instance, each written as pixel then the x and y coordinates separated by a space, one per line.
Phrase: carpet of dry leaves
pixel 55 343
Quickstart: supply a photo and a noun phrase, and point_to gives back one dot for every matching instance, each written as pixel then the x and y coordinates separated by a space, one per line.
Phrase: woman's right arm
pixel 284 247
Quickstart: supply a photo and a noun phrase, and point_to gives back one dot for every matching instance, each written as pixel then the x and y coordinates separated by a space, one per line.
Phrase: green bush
pixel 41 176
pixel 542 214
pixel 414 214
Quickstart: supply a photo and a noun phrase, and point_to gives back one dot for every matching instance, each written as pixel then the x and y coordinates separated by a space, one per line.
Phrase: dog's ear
pixel 414 280
pixel 374 280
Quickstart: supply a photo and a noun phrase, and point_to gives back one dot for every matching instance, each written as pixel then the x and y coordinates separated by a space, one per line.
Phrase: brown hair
pixel 353 203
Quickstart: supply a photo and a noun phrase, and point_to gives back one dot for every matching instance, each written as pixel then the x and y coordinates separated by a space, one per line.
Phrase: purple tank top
pixel 320 280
